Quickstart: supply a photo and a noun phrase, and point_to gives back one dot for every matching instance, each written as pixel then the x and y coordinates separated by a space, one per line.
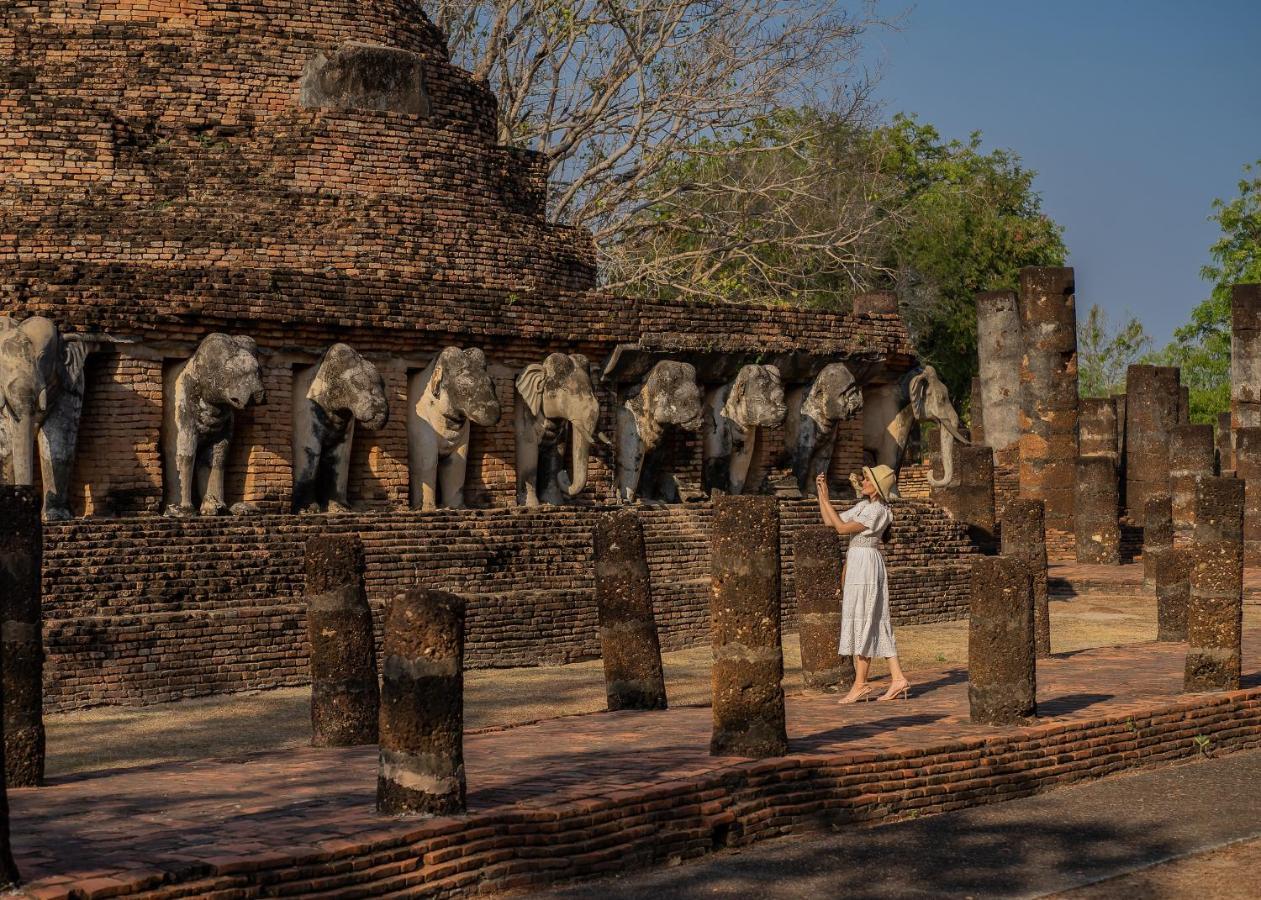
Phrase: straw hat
pixel 883 478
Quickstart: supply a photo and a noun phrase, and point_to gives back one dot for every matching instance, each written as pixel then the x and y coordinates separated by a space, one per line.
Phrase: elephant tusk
pixel 603 438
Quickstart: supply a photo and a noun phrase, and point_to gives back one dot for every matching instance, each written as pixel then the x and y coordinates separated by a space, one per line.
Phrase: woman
pixel 865 624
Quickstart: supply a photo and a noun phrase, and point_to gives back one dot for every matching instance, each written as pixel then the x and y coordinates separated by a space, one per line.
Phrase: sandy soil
pixel 240 723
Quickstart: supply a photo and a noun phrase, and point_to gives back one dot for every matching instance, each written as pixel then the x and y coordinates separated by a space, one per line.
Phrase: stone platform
pixel 575 797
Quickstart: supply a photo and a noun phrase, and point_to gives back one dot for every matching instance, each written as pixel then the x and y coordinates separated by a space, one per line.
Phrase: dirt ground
pixel 241 723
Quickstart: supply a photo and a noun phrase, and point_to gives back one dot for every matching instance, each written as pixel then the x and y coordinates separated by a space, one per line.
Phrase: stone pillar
pixel 748 670
pixel 1247 455
pixel 817 561
pixel 1190 455
pixel 1157 535
pixel 1119 400
pixel 345 697
pixel 1096 524
pixel 1151 411
pixel 998 350
pixel 1215 614
pixel 969 498
pixel 976 413
pixel 1097 427
pixel 21 634
pixel 633 677
pixel 876 303
pixel 422 705
pixel 1173 593
pixel 1245 356
pixel 1024 538
pixel 1184 404
pixel 1048 375
pixel 1225 445
pixel 1002 680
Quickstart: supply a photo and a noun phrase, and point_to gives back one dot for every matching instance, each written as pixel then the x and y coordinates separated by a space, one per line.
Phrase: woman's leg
pixel 897 679
pixel 861 665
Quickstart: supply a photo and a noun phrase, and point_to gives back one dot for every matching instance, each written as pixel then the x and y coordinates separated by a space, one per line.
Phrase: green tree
pixel 810 209
pixel 1202 347
pixel 1105 352
pixel 972 221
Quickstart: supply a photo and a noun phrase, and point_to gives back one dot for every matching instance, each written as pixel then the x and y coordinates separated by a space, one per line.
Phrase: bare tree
pixel 613 93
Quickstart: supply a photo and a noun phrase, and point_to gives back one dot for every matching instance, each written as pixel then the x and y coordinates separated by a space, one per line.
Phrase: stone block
pixel 345 696
pixel 748 704
pixel 422 706
pixel 1245 356
pixel 999 348
pixel 629 643
pixel 1002 680
pixel 1247 458
pixel 366 76
pixel 1097 427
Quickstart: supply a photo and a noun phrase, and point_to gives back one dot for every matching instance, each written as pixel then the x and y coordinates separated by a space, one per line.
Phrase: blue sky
pixel 1134 114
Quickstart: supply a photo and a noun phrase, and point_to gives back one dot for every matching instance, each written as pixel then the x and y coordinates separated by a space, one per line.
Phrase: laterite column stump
pixel 1024 538
pixel 1157 535
pixel 345 697
pixel 21 633
pixel 633 677
pixel 818 559
pixel 1215 614
pixel 1002 677
pixel 422 706
pixel 1173 593
pixel 744 611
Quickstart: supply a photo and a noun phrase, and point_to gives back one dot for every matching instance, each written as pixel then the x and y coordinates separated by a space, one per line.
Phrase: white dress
pixel 866 629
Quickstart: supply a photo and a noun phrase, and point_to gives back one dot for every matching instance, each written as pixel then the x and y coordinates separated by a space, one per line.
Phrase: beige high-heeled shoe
pixel 854 698
pixel 902 693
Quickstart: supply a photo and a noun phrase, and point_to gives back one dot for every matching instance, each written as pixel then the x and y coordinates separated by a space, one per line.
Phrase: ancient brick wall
pixel 143 610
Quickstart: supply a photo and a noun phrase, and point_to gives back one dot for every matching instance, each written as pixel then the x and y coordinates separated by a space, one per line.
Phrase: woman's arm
pixel 830 516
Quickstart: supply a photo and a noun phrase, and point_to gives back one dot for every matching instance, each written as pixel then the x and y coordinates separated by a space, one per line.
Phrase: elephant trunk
pixel 580 444
pixel 949 434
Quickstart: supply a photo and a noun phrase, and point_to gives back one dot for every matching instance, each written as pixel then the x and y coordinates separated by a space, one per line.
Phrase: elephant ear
pixel 76 358
pixel 735 398
pixel 530 387
pixel 919 390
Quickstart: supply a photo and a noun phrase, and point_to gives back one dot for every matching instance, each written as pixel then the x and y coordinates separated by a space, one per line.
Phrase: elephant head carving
pixel 454 392
pixel 735 413
pixel 556 403
pixel 891 411
pixel 345 388
pixel 667 397
pixel 41 398
pixel 222 377
pixel 832 396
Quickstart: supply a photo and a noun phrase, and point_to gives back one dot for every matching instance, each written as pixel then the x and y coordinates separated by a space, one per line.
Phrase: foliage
pixel 1104 352
pixel 1202 347
pixel 610 92
pixel 973 220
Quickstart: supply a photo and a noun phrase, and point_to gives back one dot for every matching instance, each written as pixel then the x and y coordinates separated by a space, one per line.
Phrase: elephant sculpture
pixel 667 397
pixel 734 414
pixel 832 396
pixel 556 405
pixel 41 398
pixel 448 397
pixel 890 411
pixel 345 389
pixel 222 377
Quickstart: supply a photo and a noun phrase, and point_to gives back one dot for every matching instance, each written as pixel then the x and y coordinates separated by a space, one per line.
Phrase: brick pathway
pixel 118 825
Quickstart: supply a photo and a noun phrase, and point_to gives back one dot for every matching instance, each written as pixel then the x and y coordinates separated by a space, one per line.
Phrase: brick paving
pixel 118 830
